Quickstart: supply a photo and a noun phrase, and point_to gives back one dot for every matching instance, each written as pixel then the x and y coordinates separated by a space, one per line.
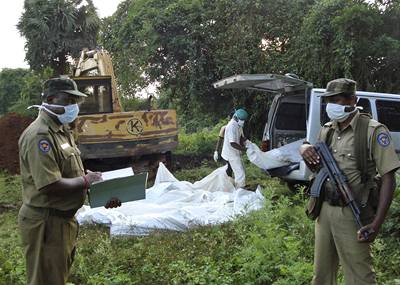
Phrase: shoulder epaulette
pixel 374 124
pixel 43 129
pixel 328 125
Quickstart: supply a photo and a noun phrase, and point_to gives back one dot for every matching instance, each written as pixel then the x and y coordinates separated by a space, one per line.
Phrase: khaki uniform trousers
pixel 49 245
pixel 336 241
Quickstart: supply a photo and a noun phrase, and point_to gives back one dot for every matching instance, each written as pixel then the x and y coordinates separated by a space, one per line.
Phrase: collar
pixel 234 121
pixel 50 121
pixel 352 124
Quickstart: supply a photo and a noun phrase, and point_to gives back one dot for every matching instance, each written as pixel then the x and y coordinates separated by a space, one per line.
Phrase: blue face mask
pixel 70 112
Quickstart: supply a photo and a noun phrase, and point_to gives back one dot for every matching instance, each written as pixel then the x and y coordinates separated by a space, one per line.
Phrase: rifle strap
pixel 329 136
pixel 360 143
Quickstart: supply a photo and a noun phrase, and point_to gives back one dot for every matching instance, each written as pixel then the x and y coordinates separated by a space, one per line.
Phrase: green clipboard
pixel 126 189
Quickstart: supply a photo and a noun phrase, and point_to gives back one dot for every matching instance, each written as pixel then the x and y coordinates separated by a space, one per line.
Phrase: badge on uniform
pixel 383 139
pixel 44 146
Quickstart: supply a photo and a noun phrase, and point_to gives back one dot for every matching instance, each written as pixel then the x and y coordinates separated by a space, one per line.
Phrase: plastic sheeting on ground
pixel 177 205
pixel 277 157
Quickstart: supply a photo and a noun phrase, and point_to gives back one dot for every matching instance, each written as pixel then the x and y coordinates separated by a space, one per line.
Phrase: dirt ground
pixel 11 127
pixel 190 161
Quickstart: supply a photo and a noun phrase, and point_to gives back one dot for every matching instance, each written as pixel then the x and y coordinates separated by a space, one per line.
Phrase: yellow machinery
pixel 107 136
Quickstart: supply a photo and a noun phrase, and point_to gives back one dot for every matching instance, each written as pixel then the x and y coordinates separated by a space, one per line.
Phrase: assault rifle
pixel 331 170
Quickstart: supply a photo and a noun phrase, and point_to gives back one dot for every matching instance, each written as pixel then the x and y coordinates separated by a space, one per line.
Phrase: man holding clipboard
pixel 54 185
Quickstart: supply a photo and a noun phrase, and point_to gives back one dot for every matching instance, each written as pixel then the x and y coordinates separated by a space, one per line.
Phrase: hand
pixel 309 154
pixel 93 176
pixel 215 156
pixel 243 141
pixel 247 143
pixel 113 203
pixel 367 233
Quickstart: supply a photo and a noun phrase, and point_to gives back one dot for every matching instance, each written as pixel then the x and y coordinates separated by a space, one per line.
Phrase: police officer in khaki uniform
pixel 337 238
pixel 54 185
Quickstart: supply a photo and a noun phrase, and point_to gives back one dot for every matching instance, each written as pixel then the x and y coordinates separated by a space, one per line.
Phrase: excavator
pixel 107 136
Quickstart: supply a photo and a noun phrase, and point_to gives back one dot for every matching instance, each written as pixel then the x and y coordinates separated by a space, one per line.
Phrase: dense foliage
pixel 185 46
pixel 20 88
pixel 188 45
pixel 346 38
pixel 57 29
pixel 11 81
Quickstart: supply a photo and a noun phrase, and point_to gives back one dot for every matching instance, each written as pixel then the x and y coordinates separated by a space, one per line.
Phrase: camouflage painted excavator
pixel 110 138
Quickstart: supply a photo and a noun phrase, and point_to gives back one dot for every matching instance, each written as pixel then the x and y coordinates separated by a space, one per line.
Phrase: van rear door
pixel 272 83
pixel 287 116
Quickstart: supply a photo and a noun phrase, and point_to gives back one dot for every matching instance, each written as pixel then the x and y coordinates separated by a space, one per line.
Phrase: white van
pixel 297 113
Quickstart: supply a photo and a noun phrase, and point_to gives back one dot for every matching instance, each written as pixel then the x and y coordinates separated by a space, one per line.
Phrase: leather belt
pixel 31 211
pixel 333 198
pixel 62 214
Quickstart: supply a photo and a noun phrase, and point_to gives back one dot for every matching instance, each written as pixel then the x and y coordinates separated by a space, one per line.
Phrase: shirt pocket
pixel 71 164
pixel 347 157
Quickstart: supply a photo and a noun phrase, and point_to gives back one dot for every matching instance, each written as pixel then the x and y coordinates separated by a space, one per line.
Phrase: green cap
pixel 339 86
pixel 56 85
pixel 241 114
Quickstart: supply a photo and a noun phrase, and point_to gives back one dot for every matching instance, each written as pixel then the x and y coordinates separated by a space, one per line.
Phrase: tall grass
pixel 271 246
pixel 202 142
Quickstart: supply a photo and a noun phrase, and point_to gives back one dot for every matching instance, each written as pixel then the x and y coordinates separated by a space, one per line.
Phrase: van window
pixel 362 102
pixel 291 116
pixel 389 114
pixel 365 103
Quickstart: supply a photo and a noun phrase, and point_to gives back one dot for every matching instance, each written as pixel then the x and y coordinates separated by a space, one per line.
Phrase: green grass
pixel 202 142
pixel 10 190
pixel 270 246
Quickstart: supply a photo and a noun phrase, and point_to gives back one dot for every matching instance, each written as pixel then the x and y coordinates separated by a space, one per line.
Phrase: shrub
pixel 202 142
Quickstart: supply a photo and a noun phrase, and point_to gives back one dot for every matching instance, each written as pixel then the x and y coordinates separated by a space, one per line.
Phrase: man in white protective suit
pixel 234 144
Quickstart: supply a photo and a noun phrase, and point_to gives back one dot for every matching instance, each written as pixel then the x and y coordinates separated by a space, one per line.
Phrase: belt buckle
pixel 333 199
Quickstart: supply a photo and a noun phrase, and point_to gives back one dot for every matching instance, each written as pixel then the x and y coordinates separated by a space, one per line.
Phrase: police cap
pixel 61 84
pixel 340 86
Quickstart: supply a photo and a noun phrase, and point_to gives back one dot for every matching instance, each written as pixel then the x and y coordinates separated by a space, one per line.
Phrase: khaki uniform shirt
pixel 48 153
pixel 382 155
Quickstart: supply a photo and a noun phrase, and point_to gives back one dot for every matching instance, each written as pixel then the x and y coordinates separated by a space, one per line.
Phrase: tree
pixel 187 45
pixel 31 89
pixel 11 85
pixel 386 73
pixel 56 29
pixel 354 39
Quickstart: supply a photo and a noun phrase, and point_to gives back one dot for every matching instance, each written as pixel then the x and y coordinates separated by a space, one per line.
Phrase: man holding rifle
pixel 359 153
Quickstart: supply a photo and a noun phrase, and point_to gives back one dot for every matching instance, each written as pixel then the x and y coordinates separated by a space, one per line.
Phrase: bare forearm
pixel 238 146
pixel 219 144
pixel 385 197
pixel 65 187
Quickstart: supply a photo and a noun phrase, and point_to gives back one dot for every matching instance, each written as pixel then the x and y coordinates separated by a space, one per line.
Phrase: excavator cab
pixel 99 93
pixel 110 138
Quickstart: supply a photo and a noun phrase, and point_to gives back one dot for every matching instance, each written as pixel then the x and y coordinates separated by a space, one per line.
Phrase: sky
pixel 12 53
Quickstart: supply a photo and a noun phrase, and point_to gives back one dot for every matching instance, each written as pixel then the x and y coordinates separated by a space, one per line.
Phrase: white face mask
pixel 69 115
pixel 336 112
pixel 241 123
